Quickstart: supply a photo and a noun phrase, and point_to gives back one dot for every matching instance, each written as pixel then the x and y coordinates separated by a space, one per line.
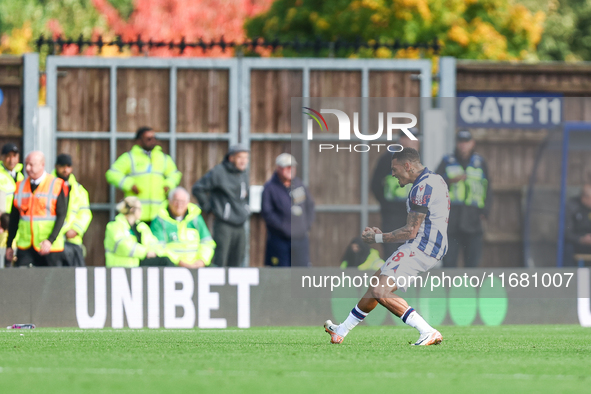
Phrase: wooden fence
pixel 11 84
pixel 202 105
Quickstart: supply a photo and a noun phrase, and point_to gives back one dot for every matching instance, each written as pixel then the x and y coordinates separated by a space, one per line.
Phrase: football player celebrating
pixel 425 237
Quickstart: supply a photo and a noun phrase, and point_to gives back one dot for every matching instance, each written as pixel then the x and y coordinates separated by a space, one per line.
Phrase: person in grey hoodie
pixel 223 191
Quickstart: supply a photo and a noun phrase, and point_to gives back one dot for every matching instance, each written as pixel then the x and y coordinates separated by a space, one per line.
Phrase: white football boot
pixel 331 328
pixel 430 338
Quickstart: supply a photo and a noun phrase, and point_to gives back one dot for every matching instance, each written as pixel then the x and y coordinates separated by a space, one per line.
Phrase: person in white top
pixel 425 237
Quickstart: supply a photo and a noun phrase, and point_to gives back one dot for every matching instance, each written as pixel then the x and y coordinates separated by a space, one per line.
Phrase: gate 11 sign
pixel 501 110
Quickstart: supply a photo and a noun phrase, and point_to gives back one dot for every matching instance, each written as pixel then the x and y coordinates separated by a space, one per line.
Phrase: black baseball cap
pixel 464 135
pixel 63 159
pixel 237 148
pixel 10 147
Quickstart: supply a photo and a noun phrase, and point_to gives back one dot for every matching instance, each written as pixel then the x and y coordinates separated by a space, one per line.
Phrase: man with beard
pixel 78 217
pixel 145 172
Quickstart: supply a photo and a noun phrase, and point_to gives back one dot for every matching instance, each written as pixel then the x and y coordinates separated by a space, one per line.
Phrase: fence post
pixel 30 101
pixel 447 94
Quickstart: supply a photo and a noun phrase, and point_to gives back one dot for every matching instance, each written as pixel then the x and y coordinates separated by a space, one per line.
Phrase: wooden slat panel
pixel 502 255
pixel 505 215
pixel 263 155
pixel 271 93
pixel 202 101
pixel 83 99
pixel 10 60
pixel 393 84
pixel 142 99
pixel 10 112
pixel 90 162
pixel 335 176
pixel 258 241
pixel 579 168
pixel 329 237
pixel 338 86
pixel 195 158
pixel 94 239
pixel 490 76
pixel 331 83
pixel 509 164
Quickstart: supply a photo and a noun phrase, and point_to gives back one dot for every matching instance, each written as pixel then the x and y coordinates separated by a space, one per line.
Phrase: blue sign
pixel 506 110
pixel 1 96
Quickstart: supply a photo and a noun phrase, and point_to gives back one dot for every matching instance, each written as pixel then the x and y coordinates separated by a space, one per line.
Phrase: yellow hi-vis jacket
pixel 79 215
pixel 122 248
pixel 8 184
pixel 150 173
pixel 188 240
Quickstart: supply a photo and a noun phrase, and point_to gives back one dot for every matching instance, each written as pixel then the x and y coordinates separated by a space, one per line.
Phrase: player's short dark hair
pixel 141 131
pixel 4 219
pixel 407 154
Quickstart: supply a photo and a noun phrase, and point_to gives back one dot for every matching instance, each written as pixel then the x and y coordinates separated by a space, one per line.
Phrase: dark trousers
pixel 469 244
pixel 156 262
pixel 30 257
pixel 230 244
pixel 282 252
pixel 73 256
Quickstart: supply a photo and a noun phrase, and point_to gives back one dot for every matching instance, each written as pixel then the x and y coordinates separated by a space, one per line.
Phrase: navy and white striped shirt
pixel 429 195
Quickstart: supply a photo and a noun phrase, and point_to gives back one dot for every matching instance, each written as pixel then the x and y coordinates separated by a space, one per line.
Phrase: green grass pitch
pixel 478 359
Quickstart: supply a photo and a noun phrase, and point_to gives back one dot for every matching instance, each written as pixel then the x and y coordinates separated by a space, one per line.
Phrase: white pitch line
pixel 292 374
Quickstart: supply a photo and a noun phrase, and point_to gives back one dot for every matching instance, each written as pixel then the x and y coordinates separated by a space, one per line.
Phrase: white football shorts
pixel 405 263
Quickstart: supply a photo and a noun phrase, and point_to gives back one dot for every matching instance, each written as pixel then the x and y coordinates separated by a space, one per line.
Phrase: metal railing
pixel 318 46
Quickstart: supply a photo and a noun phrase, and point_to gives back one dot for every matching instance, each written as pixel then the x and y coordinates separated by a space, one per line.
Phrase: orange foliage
pixel 171 20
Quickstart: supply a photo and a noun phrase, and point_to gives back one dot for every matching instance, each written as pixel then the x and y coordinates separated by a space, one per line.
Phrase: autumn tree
pixel 567 30
pixel 172 20
pixel 472 29
pixel 22 21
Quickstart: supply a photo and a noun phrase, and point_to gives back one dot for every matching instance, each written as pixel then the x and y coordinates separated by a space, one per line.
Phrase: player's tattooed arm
pixel 409 231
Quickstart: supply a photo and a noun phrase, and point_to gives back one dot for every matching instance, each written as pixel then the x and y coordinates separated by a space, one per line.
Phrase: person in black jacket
pixel 390 195
pixel 223 191
pixel 577 229
pixel 466 175
pixel 288 210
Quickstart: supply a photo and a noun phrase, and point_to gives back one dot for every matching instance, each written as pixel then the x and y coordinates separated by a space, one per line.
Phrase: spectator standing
pixel 10 174
pixel 578 225
pixel 288 210
pixel 223 191
pixel 181 227
pixel 129 241
pixel 390 195
pixel 79 215
pixel 466 174
pixel 39 211
pixel 145 172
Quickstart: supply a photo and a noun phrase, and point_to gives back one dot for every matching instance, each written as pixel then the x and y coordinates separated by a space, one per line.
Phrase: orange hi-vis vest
pixel 38 212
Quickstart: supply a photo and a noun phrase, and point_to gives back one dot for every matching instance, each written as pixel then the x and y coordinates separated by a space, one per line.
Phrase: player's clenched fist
pixel 369 234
